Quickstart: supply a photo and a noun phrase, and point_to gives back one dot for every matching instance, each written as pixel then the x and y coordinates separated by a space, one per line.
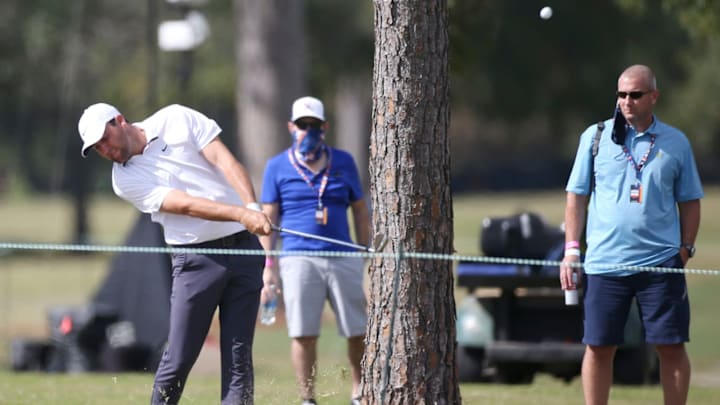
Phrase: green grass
pixel 31 282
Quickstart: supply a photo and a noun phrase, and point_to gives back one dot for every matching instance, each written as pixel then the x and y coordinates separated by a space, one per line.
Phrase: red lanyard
pixel 325 178
pixel 638 167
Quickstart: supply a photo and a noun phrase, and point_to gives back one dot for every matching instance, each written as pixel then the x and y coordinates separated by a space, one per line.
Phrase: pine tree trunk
pixel 410 354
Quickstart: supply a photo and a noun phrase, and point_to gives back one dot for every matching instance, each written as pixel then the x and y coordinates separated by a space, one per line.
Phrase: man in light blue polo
pixel 641 192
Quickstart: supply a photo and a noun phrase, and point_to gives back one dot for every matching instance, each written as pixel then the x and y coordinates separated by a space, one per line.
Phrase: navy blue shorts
pixel 662 300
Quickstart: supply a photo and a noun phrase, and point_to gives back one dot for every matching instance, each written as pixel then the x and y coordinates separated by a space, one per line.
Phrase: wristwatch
pixel 690 249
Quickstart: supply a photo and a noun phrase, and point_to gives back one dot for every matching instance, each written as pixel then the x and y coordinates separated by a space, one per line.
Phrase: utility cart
pixel 514 323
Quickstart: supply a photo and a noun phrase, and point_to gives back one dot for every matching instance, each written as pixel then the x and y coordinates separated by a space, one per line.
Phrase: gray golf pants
pixel 202 283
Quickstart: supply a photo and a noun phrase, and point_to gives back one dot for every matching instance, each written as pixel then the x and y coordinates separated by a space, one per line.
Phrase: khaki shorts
pixel 308 281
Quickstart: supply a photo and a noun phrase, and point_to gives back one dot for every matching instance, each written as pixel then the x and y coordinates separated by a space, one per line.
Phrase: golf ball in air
pixel 546 13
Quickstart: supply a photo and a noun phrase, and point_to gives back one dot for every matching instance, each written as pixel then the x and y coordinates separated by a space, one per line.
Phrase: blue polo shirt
pixel 298 201
pixel 621 231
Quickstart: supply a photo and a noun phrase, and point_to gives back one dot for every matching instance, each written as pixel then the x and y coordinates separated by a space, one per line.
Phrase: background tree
pixel 271 71
pixel 340 49
pixel 522 88
pixel 57 58
pixel 692 104
pixel 410 354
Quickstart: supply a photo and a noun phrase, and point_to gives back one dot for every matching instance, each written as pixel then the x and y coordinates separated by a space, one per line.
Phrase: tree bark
pixel 410 354
pixel 271 74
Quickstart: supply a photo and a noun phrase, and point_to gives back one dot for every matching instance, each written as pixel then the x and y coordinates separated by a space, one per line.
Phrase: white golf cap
pixel 92 124
pixel 308 107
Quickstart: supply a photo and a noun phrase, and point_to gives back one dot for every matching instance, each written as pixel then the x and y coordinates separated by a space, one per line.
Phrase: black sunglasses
pixel 633 94
pixel 303 125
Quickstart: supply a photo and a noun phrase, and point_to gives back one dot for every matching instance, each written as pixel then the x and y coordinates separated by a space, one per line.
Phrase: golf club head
pixel 379 242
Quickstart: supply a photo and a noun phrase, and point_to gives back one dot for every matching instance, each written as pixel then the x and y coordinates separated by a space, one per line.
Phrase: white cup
pixel 571 296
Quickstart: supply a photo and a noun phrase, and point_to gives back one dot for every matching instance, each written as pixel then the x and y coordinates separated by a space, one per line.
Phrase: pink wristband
pixel 572 244
pixel 269 262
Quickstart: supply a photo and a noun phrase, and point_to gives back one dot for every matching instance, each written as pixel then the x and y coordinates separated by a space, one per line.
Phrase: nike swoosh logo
pixel 164 148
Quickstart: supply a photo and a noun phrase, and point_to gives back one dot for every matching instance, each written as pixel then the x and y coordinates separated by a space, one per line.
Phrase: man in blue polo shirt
pixel 643 210
pixel 309 187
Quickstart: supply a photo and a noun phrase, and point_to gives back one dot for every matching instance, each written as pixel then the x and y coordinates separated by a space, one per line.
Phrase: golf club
pixel 379 241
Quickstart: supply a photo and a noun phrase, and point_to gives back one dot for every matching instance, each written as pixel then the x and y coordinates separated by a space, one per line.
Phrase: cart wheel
pixel 515 374
pixel 470 363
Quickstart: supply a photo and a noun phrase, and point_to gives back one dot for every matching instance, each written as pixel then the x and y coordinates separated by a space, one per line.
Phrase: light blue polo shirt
pixel 620 231
pixel 298 202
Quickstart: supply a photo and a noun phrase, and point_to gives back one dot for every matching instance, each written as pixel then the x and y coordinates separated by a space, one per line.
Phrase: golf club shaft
pixel 322 238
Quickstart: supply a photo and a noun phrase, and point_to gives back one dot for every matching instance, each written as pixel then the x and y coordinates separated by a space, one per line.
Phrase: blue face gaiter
pixel 311 145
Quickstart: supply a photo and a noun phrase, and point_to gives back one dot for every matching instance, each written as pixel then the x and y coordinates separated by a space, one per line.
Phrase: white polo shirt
pixel 172 160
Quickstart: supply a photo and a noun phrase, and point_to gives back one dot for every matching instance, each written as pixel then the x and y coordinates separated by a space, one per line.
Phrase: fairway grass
pixel 272 389
pixel 32 282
